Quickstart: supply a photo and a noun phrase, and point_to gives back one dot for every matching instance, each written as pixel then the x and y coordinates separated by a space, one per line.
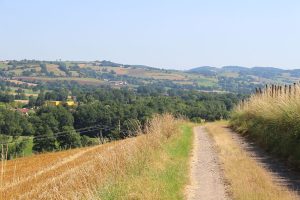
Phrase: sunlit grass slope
pixel 162 176
pixel 152 165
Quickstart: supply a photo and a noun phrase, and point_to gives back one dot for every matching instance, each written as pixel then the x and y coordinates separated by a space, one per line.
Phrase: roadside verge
pixel 247 178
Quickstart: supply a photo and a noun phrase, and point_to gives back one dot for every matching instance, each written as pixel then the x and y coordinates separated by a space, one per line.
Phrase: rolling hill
pixel 225 79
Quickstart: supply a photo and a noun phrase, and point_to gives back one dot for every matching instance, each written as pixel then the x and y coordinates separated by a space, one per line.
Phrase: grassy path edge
pixel 247 179
pixel 163 176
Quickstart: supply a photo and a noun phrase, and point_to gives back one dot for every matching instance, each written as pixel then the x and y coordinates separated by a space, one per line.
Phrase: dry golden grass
pixel 247 179
pixel 118 70
pixel 271 104
pixel 83 81
pixel 272 118
pixel 79 173
pixel 162 176
pixel 81 65
pixel 55 69
pixel 21 82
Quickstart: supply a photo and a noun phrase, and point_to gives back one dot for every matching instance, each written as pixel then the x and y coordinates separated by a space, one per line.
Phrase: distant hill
pixel 109 63
pixel 236 79
pixel 264 72
pixel 205 70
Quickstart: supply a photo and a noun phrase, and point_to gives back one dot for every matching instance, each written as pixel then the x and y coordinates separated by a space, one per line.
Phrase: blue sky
pixel 161 33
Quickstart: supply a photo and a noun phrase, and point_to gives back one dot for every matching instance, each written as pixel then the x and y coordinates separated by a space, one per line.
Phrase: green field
pixel 208 82
pixel 2 65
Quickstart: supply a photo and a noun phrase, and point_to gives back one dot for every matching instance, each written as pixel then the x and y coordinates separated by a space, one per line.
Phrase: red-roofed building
pixel 23 110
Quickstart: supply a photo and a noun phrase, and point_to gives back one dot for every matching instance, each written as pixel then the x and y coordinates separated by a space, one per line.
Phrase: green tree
pixel 31 102
pixel 69 138
pixel 11 122
pixel 44 140
pixel 40 99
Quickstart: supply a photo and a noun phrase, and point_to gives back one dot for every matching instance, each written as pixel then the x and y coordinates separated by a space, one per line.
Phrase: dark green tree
pixel 44 140
pixel 69 138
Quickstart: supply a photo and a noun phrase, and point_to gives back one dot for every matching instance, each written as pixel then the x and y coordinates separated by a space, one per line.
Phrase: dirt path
pixel 206 176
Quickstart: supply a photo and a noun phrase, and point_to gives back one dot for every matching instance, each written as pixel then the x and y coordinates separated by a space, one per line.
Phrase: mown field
pixel 151 166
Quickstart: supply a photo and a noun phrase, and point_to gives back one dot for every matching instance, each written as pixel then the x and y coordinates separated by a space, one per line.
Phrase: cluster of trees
pixel 120 110
pixel 241 84
pixel 6 97
pixel 44 69
pixel 14 124
pixel 52 128
pixel 50 120
pixel 8 94
pixel 60 94
pixel 63 67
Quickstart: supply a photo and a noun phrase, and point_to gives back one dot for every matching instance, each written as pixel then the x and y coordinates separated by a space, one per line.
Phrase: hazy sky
pixel 160 33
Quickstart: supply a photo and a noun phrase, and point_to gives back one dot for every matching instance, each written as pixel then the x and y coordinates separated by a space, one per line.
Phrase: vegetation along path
pixel 282 174
pixel 206 178
pixel 249 172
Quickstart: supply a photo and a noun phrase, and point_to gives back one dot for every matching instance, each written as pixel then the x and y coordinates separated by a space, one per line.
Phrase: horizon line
pixel 161 67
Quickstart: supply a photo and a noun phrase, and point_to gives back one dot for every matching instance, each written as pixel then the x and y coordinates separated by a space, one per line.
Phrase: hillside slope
pixel 225 79
pixel 85 173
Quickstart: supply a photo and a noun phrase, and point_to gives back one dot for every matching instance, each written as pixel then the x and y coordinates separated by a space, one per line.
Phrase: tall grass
pixel 163 176
pixel 85 173
pixel 272 118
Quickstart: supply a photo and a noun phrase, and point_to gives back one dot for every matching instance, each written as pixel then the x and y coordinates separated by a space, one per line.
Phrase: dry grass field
pixel 54 68
pixel 80 173
pixel 21 82
pixel 156 74
pixel 83 81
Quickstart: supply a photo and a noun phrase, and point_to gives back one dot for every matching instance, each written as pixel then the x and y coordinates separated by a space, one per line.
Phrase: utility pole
pixel 119 127
pixel 101 137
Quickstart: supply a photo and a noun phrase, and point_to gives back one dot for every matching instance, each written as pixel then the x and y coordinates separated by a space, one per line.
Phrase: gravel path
pixel 206 176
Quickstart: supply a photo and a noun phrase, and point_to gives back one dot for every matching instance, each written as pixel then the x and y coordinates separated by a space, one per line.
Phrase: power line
pixel 62 133
pixel 55 134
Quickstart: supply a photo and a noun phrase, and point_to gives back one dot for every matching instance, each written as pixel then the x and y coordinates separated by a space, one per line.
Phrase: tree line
pixel 118 109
